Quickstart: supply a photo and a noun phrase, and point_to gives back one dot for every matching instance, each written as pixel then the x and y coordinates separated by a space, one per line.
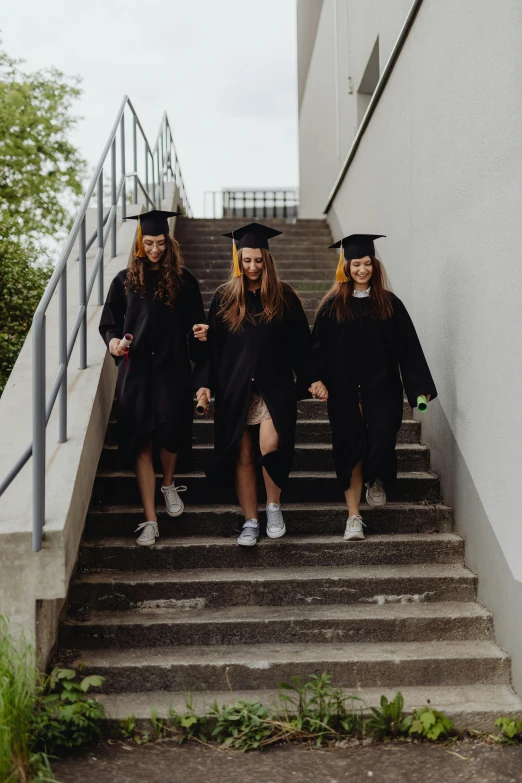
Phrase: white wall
pixel 328 119
pixel 439 170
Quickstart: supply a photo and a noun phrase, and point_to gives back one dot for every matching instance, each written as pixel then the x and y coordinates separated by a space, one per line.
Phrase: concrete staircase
pixel 198 614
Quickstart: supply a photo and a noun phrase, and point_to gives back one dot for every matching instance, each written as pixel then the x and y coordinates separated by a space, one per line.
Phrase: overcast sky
pixel 225 71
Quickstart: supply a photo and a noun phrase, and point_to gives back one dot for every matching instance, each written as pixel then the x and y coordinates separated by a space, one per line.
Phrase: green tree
pixel 41 176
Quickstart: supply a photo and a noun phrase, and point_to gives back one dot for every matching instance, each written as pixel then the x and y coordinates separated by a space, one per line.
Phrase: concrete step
pixel 307 457
pixel 119 486
pixel 288 586
pixel 301 519
pixel 449 621
pixel 291 551
pixel 266 665
pixel 308 431
pixel 469 706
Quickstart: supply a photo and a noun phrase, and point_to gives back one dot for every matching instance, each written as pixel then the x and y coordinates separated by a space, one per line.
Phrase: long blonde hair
pixel 234 309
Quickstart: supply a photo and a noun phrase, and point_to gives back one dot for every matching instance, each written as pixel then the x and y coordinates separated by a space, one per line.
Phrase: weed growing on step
pixel 510 729
pixel 40 715
pixel 313 711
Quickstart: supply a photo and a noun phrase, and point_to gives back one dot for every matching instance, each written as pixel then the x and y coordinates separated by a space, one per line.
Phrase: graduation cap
pixel 354 246
pixel 152 223
pixel 253 235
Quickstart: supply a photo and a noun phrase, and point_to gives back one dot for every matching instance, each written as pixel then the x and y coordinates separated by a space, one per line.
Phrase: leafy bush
pixel 67 717
pixel 40 715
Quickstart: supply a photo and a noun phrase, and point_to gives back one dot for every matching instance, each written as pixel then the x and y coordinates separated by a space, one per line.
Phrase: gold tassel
pixel 235 258
pixel 141 249
pixel 340 274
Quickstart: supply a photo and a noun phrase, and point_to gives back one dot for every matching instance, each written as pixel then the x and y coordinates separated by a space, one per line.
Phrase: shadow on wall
pixel 483 552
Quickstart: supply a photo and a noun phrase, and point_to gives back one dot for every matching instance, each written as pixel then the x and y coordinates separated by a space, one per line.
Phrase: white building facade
pixel 436 165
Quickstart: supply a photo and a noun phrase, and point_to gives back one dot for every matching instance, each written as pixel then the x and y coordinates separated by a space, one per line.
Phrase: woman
pixel 258 338
pixel 157 301
pixel 364 342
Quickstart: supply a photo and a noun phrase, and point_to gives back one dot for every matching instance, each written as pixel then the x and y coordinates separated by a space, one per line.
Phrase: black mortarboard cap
pixel 358 245
pixel 253 235
pixel 155 222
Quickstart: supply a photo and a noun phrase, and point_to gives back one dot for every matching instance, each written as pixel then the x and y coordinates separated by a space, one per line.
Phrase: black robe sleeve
pixel 204 371
pixel 300 343
pixel 320 345
pixel 113 313
pixel 416 376
pixel 193 313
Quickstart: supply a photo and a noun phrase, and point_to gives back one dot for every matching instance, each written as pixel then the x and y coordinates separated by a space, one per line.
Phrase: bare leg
pixel 353 493
pixel 146 479
pixel 246 477
pixel 269 441
pixel 168 463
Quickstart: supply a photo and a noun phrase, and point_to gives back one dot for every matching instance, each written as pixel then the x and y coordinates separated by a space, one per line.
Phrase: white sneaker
pixel 149 534
pixel 249 534
pixel 354 528
pixel 375 495
pixel 275 525
pixel 173 502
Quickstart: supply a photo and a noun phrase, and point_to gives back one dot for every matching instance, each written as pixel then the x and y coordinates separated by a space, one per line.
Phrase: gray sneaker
pixel 149 533
pixel 354 528
pixel 375 495
pixel 275 525
pixel 249 534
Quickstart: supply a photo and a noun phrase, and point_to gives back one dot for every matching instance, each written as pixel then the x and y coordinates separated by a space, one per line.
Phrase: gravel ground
pixel 167 762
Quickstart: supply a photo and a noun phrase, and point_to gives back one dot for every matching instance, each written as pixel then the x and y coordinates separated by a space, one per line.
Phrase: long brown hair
pixel 234 309
pixel 339 299
pixel 169 275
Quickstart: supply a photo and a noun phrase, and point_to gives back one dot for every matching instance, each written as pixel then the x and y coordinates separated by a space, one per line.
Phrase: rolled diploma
pixel 125 343
pixel 422 403
pixel 202 405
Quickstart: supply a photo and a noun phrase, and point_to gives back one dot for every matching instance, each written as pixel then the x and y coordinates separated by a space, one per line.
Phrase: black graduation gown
pixel 372 355
pixel 264 356
pixel 154 390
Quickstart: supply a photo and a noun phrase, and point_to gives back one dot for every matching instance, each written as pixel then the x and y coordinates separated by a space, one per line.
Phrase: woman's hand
pixel 203 396
pixel 114 347
pixel 318 391
pixel 200 332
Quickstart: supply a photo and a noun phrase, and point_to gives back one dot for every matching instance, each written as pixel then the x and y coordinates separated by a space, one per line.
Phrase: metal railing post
pixel 162 147
pixel 135 158
pixel 113 197
pixel 100 237
pixel 38 430
pixel 122 152
pixel 147 170
pixel 62 351
pixel 82 273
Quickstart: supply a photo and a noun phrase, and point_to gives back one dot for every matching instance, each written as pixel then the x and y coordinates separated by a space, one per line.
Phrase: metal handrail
pixel 257 202
pixel 161 166
pixel 381 84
